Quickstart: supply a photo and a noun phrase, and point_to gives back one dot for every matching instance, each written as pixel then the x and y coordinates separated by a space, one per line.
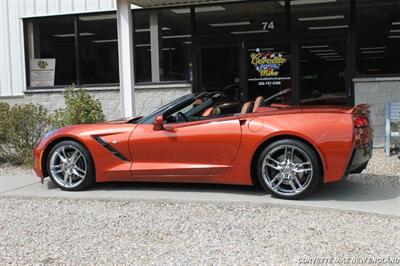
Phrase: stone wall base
pixel 147 99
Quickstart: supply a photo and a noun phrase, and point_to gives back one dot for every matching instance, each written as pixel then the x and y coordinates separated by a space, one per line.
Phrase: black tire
pixel 90 177
pixel 314 176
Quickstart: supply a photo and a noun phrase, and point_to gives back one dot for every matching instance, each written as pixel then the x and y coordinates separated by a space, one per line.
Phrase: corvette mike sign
pixel 267 63
pixel 266 67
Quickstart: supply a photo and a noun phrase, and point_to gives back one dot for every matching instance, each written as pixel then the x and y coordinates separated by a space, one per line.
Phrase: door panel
pixel 203 148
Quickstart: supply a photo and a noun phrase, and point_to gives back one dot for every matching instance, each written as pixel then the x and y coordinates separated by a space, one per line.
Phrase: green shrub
pixel 4 145
pixel 22 129
pixel 82 108
pixel 22 126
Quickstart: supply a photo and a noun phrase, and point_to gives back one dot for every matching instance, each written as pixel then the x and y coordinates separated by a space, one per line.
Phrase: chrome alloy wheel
pixel 287 170
pixel 68 166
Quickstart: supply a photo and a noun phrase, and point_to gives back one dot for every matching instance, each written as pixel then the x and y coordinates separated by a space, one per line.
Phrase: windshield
pixel 194 107
pixel 150 117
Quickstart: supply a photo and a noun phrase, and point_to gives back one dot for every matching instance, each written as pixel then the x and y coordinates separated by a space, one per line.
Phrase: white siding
pixel 12 62
pixel 34 8
pixel 6 82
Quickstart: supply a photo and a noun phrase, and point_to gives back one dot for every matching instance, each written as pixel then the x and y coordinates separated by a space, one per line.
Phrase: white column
pixel 155 46
pixel 125 53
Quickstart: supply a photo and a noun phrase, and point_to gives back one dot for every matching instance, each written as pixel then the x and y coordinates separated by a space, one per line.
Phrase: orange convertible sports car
pixel 203 138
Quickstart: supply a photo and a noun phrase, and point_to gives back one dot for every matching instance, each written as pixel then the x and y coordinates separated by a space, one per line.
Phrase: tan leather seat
pixel 208 112
pixel 258 103
pixel 247 108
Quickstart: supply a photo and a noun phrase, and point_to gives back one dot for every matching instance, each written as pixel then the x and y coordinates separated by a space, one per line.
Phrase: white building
pixel 135 58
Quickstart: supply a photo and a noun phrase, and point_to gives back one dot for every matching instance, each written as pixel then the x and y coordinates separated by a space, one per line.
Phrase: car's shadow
pixel 340 191
pixel 354 192
pixel 174 187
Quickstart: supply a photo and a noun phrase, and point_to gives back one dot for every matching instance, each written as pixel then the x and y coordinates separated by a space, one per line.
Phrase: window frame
pixel 192 32
pixel 78 71
pixel 194 79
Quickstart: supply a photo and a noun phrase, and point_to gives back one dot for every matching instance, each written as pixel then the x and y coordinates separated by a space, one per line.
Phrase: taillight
pixel 360 121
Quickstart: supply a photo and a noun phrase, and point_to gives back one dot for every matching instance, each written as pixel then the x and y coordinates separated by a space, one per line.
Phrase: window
pixel 51 41
pixel 54 58
pixel 322 72
pixel 175 62
pixel 378 36
pixel 142 46
pixel 98 49
pixel 192 107
pixel 162 45
pixel 320 15
pixel 257 17
pixel 220 70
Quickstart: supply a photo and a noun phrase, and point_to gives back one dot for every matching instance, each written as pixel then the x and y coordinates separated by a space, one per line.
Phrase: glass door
pixel 220 70
pixel 268 70
pixel 323 72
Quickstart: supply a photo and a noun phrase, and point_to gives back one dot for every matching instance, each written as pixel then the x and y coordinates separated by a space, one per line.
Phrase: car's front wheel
pixel 289 169
pixel 70 166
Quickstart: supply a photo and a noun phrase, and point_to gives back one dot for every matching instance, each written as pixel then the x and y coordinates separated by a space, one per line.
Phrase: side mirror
pixel 159 123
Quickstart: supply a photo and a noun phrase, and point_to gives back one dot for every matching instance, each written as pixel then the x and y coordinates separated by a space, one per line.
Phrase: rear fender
pixel 330 134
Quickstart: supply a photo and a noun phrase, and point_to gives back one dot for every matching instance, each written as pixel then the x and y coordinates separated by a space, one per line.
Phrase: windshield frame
pixel 149 119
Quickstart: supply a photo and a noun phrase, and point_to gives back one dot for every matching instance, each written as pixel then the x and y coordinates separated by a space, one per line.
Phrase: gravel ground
pixel 50 231
pixel 9 169
pixel 35 231
pixel 381 170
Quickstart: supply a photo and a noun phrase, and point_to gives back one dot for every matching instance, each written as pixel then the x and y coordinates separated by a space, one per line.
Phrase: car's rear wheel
pixel 70 166
pixel 288 169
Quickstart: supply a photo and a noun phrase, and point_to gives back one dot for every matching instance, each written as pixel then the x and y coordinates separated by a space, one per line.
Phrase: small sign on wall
pixel 42 72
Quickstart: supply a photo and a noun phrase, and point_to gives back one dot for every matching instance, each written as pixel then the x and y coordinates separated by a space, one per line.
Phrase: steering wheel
pixel 182 116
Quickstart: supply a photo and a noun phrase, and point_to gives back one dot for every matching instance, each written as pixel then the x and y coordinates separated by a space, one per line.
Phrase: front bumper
pixel 360 158
pixel 37 158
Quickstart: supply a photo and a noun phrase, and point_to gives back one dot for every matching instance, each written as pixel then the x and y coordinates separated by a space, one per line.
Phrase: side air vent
pixel 110 148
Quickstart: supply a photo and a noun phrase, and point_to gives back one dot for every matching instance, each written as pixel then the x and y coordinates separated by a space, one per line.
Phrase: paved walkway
pixel 344 195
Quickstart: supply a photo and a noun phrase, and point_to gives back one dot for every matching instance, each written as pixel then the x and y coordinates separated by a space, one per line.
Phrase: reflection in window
pixel 258 17
pixel 322 73
pixel 323 15
pixel 378 36
pixel 162 45
pixel 99 50
pixel 220 70
pixel 175 44
pixel 142 46
pixel 53 38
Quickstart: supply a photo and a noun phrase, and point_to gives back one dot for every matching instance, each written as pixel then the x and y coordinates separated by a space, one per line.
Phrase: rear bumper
pixel 359 159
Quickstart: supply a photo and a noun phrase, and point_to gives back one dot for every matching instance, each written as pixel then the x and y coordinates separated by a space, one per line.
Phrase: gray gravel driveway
pixel 79 231
pixel 53 231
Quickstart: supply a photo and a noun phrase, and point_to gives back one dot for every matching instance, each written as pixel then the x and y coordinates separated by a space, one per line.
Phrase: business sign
pixel 266 66
pixel 267 63
pixel 42 72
